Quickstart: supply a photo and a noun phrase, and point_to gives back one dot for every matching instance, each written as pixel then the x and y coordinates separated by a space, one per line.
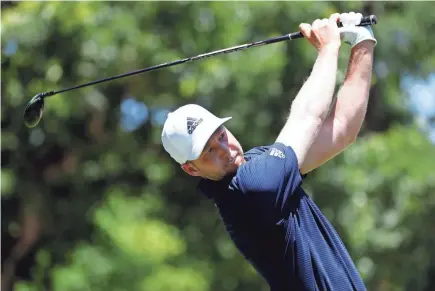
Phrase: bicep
pixel 331 140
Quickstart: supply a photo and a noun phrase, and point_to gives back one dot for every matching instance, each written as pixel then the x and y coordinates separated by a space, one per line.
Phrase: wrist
pixel 330 50
pixel 366 45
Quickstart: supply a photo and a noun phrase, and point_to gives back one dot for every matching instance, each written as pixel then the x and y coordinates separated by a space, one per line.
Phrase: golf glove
pixel 352 34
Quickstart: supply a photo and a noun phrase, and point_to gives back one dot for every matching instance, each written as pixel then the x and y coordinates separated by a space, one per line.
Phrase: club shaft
pixel 178 62
pixel 367 20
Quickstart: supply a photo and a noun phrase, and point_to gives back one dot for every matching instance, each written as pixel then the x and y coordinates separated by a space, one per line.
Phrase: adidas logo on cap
pixel 192 123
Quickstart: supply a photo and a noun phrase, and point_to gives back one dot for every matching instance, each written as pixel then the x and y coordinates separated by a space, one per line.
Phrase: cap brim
pixel 204 136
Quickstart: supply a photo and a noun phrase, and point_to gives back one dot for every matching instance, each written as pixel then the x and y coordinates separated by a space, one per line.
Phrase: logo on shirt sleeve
pixel 277 153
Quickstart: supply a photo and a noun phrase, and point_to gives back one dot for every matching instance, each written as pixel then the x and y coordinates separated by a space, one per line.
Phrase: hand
pixel 352 34
pixel 323 33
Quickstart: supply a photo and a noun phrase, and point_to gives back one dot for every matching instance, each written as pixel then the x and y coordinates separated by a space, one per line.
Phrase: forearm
pixel 353 96
pixel 316 95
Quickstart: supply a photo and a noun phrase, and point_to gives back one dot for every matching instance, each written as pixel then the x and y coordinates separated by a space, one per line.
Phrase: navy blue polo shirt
pixel 278 228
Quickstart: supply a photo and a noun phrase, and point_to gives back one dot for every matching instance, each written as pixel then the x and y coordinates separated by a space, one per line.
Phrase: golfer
pixel 268 215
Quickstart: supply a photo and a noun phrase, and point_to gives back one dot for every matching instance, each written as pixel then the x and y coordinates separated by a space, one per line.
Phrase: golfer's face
pixel 221 155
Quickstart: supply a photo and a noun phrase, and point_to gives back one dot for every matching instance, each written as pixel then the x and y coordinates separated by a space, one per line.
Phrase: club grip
pixel 365 20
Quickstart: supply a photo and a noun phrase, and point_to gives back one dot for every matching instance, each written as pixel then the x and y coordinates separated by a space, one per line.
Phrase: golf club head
pixel 34 110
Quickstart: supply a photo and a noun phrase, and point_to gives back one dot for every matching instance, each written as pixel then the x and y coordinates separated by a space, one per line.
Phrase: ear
pixel 190 169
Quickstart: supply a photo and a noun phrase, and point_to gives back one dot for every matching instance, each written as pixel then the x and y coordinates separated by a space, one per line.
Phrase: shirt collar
pixel 211 188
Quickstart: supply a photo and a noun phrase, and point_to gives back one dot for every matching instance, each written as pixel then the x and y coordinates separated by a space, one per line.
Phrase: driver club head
pixel 34 110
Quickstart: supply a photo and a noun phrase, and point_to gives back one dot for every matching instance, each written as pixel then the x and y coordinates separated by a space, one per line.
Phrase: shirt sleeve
pixel 273 176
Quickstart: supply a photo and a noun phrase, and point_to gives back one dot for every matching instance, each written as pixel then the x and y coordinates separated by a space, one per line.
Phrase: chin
pixel 238 162
pixel 233 168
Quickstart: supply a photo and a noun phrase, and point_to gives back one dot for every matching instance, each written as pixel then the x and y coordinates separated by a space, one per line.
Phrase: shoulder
pixel 276 149
pixel 215 189
pixel 268 168
pixel 268 157
pixel 256 151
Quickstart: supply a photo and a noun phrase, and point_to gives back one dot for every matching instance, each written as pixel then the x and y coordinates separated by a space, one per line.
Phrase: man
pixel 259 194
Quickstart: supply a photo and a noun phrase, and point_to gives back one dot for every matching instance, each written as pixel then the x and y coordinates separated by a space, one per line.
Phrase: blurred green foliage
pixel 89 203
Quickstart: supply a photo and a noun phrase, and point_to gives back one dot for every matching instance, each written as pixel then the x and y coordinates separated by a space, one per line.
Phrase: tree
pixel 90 199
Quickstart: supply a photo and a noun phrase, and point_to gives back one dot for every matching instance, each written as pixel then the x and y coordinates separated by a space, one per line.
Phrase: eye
pixel 222 136
pixel 210 149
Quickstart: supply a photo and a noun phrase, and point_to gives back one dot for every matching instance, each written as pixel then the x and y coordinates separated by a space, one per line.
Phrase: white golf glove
pixel 352 34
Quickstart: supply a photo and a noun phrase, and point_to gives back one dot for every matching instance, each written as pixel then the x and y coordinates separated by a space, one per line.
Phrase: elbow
pixel 345 141
pixel 305 110
pixel 350 133
pixel 351 139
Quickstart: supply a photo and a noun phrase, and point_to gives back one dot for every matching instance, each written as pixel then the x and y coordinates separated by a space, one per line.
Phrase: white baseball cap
pixel 187 130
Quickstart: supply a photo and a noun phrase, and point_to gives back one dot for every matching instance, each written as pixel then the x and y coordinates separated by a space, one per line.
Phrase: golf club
pixel 35 107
